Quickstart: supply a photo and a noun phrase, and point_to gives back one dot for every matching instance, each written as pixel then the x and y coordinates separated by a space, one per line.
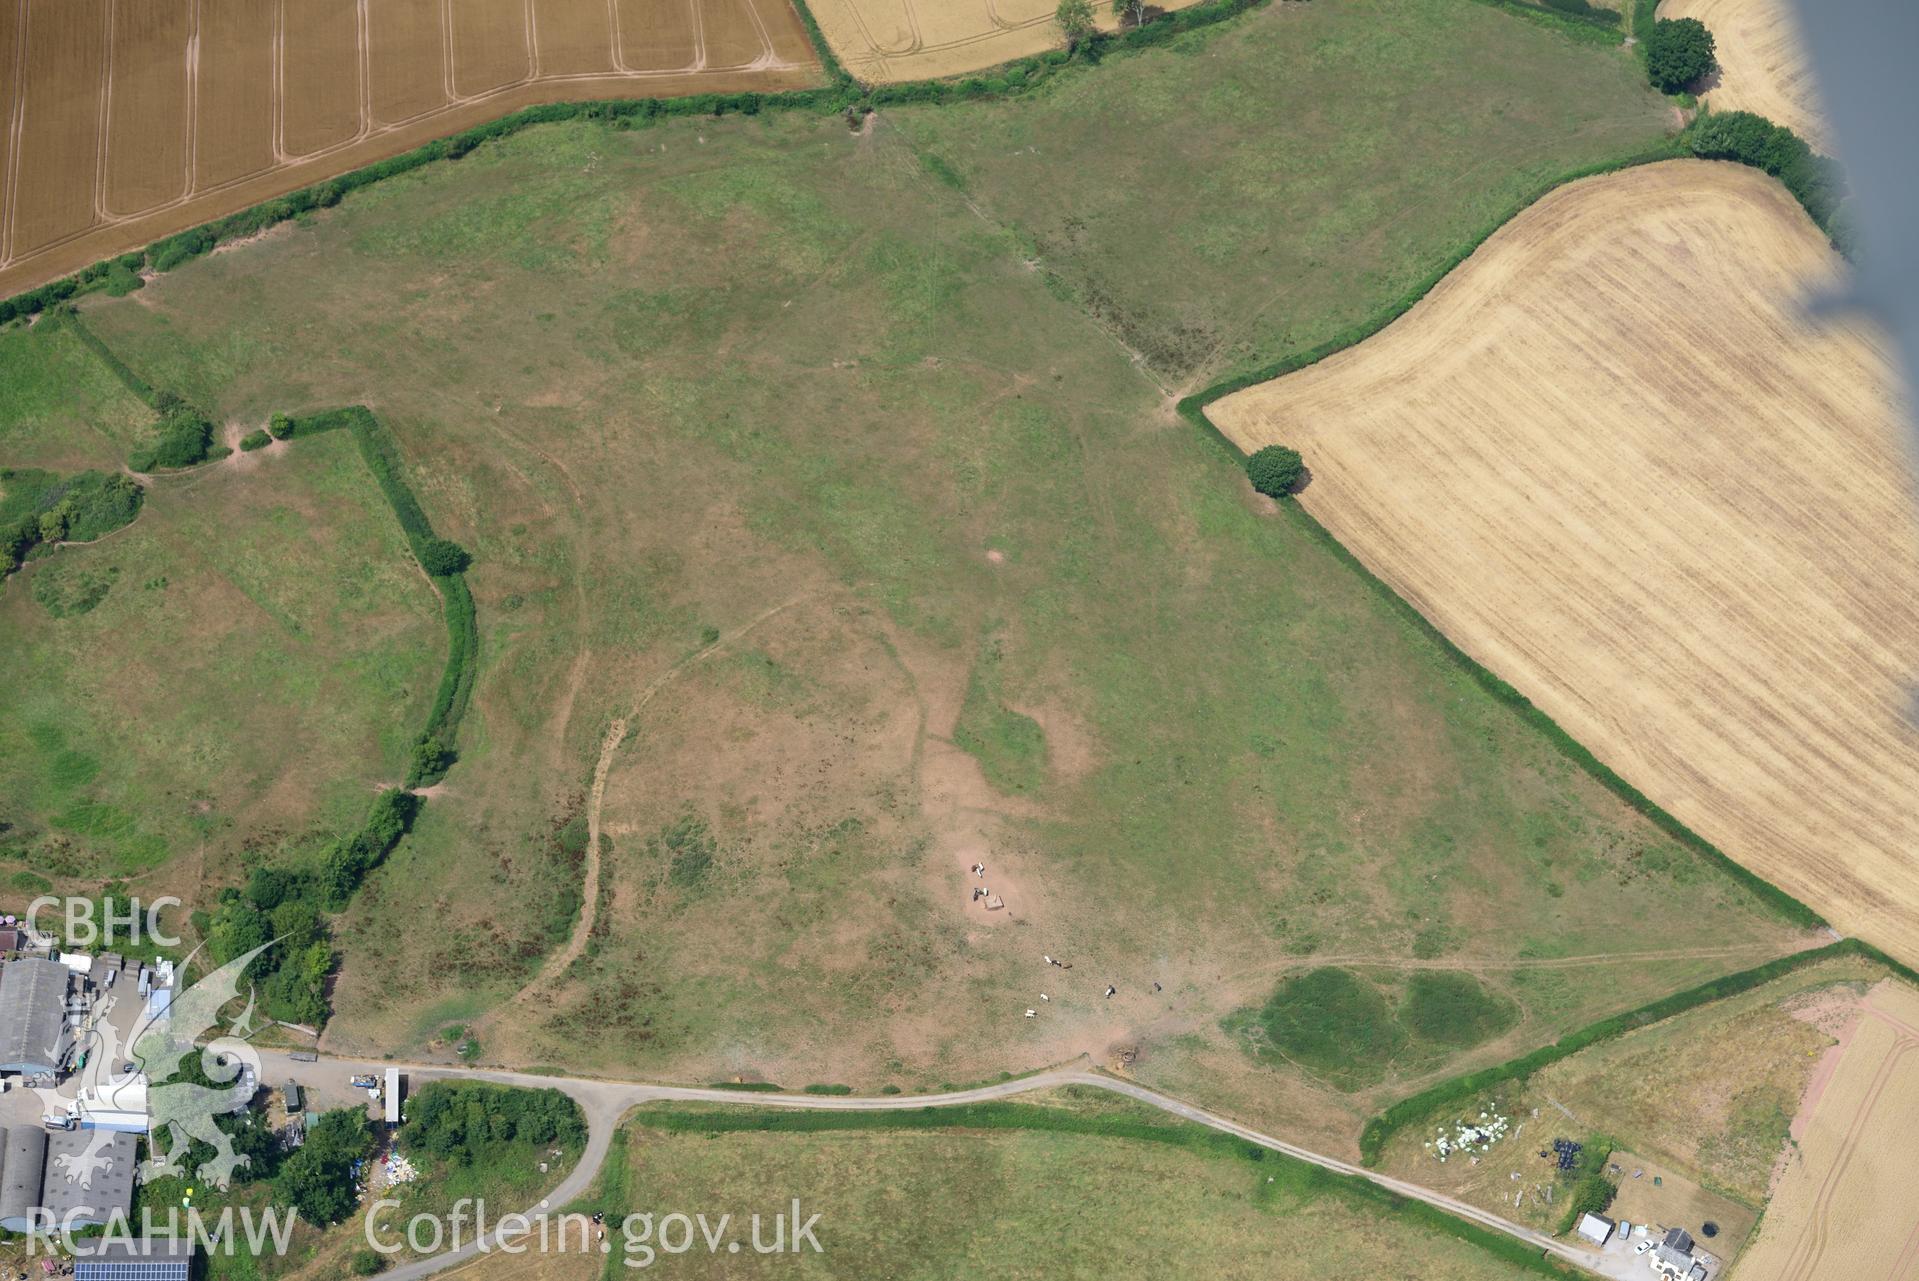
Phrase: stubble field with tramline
pixel 1609 458
pixel 1847 1200
pixel 893 40
pixel 125 122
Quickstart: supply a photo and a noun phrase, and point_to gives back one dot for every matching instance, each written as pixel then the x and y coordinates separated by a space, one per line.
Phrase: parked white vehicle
pixel 1643 1246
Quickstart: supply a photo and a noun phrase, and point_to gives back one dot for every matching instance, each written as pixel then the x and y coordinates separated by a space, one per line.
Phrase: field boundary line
pixel 1193 409
pixel 618 730
pixel 1417 1106
pixel 842 92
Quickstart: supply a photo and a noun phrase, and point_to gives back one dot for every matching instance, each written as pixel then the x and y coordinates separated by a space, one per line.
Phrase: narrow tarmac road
pixel 606 1102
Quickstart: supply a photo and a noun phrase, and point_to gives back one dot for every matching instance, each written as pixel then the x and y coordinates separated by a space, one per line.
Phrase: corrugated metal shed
pixel 34 1036
pixel 144 1259
pixel 89 1176
pixel 21 1172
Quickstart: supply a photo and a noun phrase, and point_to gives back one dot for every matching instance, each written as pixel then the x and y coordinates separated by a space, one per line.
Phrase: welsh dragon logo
pixel 180 1110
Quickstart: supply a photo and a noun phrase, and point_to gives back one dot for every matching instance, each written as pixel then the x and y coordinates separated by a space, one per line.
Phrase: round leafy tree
pixel 442 556
pixel 1274 470
pixel 1678 52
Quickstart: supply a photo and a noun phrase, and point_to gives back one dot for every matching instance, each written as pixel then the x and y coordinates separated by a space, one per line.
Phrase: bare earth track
pixel 239 101
pixel 1607 458
pixel 1762 64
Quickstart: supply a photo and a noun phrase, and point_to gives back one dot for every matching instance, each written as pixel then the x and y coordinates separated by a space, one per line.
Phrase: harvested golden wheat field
pixel 883 41
pixel 127 120
pixel 1762 64
pixel 1607 458
pixel 1847 1204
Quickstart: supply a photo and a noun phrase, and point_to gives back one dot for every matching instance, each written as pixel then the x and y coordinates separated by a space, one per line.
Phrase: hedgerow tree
pixel 1275 470
pixel 443 556
pixel 1678 52
pixel 431 758
pixel 1130 10
pixel 1815 180
pixel 1075 19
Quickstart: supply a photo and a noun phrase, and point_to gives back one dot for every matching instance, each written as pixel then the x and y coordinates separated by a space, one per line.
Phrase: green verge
pixel 1301 1177
pixel 1193 409
pixel 185 434
pixel 1590 27
pixel 110 358
pixel 1416 1107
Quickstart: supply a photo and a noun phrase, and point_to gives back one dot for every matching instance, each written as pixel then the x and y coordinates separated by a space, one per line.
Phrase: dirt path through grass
pixel 558 963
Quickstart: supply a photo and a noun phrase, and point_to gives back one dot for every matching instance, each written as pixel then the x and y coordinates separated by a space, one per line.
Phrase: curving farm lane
pixel 606 1102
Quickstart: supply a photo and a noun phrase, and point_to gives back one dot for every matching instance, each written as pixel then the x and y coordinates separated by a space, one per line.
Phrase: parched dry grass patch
pixel 1609 459
pixel 769 445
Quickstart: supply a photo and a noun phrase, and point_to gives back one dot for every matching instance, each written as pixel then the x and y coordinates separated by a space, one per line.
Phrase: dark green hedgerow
pixel 829 61
pixel 1815 181
pixel 433 750
pixel 1420 1106
pixel 1298 1177
pixel 843 94
pixel 1575 18
pixel 109 357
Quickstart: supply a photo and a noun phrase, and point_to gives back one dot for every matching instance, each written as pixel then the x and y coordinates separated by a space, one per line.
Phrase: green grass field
pixel 968 1201
pixel 774 444
pixel 60 408
pixel 1252 191
pixel 225 681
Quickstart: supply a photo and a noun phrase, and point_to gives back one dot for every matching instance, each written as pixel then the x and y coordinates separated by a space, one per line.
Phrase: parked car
pixel 55 1121
pixel 1643 1246
pixel 364 1082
